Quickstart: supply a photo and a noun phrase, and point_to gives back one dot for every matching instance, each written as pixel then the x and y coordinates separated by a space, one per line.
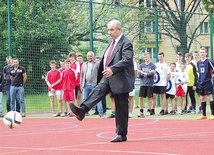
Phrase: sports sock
pixel 212 107
pixel 203 104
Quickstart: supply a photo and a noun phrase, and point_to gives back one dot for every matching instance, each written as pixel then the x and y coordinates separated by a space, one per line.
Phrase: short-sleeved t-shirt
pixel 17 76
pixel 171 89
pixel 52 77
pixel 162 70
pixel 6 70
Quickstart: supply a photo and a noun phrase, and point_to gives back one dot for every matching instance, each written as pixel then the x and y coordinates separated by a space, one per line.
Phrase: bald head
pixel 114 29
pixel 90 56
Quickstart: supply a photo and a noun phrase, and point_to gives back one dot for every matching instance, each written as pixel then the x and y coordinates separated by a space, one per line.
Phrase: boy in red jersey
pixel 53 80
pixel 76 67
pixel 68 87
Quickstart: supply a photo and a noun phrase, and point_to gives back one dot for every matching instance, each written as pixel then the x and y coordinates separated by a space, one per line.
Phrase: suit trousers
pixel 121 104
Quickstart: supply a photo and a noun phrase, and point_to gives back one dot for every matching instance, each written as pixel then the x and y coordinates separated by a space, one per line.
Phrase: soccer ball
pixel 12 119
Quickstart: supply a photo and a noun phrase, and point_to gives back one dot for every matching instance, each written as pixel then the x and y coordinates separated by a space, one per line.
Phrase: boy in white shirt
pixel 171 88
pixel 162 76
pixel 181 85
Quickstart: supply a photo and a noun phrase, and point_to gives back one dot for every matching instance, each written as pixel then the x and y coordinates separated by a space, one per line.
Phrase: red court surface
pixel 63 136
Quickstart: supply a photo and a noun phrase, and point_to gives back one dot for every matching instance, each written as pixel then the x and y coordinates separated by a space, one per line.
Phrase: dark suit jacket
pixel 121 64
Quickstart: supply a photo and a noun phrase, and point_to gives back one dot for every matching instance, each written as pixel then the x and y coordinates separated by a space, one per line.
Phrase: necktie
pixel 109 53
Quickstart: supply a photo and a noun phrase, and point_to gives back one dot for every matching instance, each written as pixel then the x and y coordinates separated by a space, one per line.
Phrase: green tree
pixel 208 5
pixel 175 21
pixel 48 29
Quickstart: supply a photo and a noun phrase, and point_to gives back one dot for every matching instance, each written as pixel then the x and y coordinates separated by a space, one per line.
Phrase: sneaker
pixel 189 111
pixel 101 116
pixel 200 109
pixel 65 113
pixel 23 115
pixel 211 117
pixel 95 113
pixel 152 112
pixel 202 117
pixel 87 114
pixel 161 113
pixel 141 115
pixel 1 115
pixel 193 112
pixel 62 114
pixel 172 112
pixel 58 114
pixel 70 114
pixel 54 115
pixel 183 112
pixel 111 116
pixel 148 112
pixel 166 112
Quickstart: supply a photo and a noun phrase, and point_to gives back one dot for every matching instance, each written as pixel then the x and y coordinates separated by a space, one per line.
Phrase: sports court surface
pixel 149 136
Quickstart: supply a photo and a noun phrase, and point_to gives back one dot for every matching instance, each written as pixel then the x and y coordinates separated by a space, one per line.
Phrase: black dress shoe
pixel 111 116
pixel 77 111
pixel 119 138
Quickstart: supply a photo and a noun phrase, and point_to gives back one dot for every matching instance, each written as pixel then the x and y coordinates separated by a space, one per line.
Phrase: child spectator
pixel 191 86
pixel 53 80
pixel 181 84
pixel 171 88
pixel 146 75
pixel 162 75
pixel 68 88
pixel 204 86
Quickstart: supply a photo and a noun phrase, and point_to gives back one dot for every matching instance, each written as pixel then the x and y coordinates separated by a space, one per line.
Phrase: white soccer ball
pixel 12 119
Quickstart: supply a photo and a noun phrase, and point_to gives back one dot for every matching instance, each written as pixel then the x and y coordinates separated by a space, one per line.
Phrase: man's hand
pixel 107 72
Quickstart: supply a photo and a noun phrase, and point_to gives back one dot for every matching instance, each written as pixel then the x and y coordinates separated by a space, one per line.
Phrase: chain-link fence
pixel 39 31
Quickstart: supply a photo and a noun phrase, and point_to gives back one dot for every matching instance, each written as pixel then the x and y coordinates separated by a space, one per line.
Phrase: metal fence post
pixel 91 25
pixel 9 27
pixel 156 44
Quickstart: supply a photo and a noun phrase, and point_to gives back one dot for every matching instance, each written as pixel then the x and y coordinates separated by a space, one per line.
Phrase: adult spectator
pixel 116 75
pixel 89 79
pixel 18 77
pixel 6 72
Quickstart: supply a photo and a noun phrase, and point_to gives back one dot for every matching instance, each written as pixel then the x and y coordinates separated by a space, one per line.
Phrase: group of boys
pixel 176 80
pixel 64 83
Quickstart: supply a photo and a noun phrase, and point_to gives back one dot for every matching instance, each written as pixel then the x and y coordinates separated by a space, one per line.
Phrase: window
pixel 178 3
pixel 116 2
pixel 148 27
pixel 148 3
pixel 204 28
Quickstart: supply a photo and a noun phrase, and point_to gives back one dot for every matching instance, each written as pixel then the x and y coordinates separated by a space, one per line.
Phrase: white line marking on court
pixel 86 150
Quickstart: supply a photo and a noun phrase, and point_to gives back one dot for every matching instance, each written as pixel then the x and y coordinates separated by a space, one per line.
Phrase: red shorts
pixel 68 95
pixel 180 92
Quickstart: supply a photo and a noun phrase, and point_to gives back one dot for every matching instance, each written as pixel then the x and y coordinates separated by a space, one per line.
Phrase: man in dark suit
pixel 114 76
